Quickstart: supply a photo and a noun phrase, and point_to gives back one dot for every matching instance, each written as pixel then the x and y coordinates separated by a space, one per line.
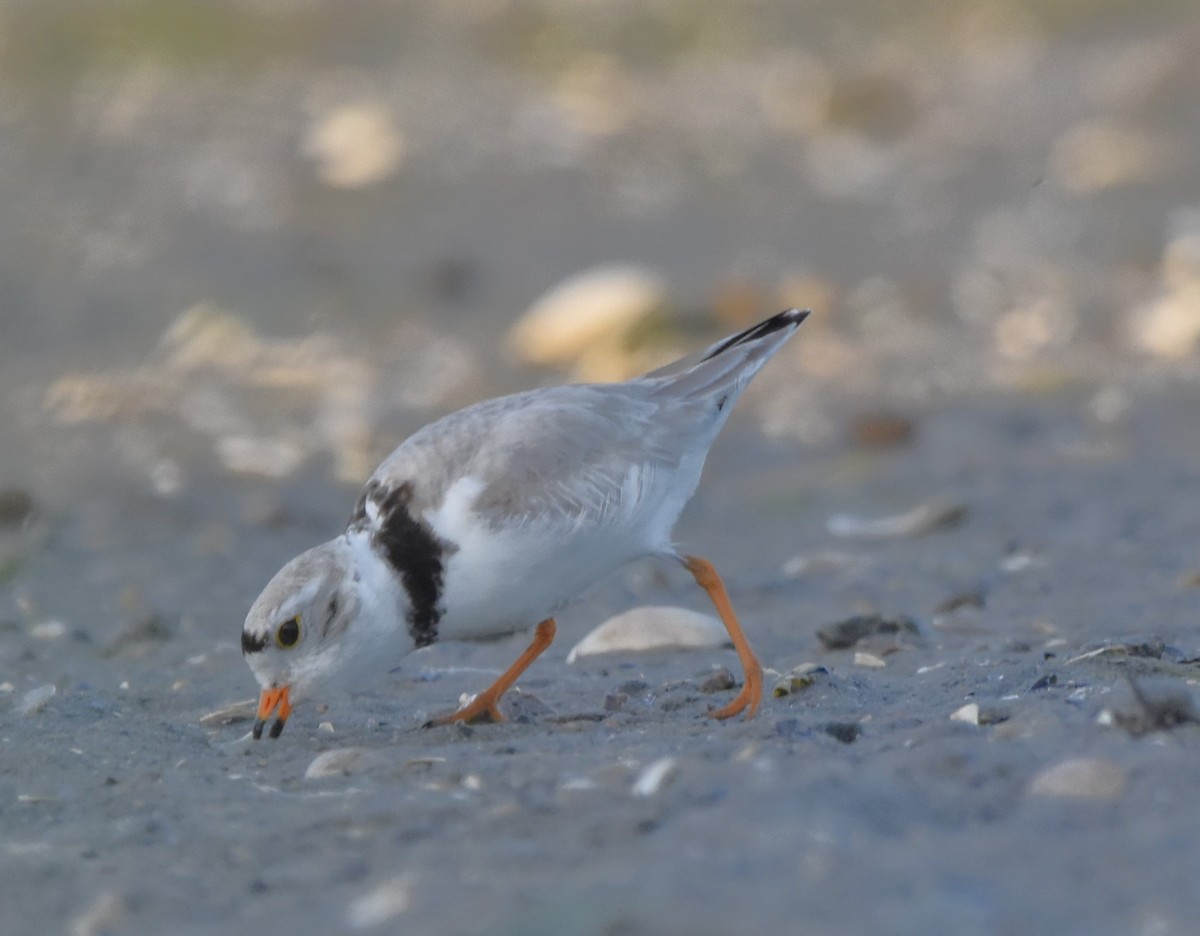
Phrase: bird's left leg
pixel 750 697
pixel 484 707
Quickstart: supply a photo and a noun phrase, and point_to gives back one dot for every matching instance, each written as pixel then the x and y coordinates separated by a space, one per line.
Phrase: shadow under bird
pixel 491 519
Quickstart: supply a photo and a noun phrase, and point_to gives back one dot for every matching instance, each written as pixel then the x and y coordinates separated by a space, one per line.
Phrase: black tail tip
pixel 789 318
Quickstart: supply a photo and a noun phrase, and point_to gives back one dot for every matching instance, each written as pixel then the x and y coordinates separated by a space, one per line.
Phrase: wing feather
pixel 560 456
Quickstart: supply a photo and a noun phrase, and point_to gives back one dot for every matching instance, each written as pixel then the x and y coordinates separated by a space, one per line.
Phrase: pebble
pixel 340 762
pixel 845 634
pixel 719 680
pixel 35 699
pixel 929 517
pixel 846 732
pixel 651 779
pixel 48 630
pixel 355 146
pixel 589 309
pixel 869 660
pixel 384 902
pixel 652 627
pixel 1080 778
pixel 882 430
pixel 16 506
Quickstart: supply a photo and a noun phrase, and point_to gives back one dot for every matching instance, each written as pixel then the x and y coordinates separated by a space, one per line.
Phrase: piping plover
pixel 492 518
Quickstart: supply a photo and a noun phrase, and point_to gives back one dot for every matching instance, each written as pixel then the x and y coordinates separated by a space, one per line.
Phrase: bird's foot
pixel 748 700
pixel 481 710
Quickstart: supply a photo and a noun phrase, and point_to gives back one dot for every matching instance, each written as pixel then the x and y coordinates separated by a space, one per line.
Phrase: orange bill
pixel 272 701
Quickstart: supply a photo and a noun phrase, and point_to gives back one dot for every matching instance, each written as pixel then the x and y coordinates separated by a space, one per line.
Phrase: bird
pixel 491 519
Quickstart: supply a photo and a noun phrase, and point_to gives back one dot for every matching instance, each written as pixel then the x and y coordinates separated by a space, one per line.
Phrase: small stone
pixel 869 660
pixel 719 681
pixel 35 699
pixel 652 628
pixel 846 732
pixel 524 707
pixel 615 701
pixel 651 779
pixel 1080 778
pixel 882 430
pixel 16 507
pixel 1044 682
pixel 800 678
pixel 847 633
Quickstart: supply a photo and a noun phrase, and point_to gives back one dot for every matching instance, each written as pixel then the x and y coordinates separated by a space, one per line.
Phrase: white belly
pixel 502 580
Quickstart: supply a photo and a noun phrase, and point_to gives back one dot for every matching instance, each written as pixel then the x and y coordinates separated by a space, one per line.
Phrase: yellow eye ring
pixel 288 634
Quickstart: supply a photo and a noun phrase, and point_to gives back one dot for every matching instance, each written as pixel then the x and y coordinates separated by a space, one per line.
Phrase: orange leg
pixel 484 708
pixel 750 697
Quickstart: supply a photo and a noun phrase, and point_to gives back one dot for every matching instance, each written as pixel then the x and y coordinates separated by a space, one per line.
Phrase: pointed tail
pixel 727 366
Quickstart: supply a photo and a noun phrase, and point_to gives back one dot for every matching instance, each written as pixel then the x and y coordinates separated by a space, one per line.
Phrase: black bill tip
pixel 256 731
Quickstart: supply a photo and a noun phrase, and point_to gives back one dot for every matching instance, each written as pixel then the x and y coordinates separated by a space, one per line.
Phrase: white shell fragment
pixel 593 307
pixel 652 627
pixel 104 914
pixel 651 779
pixel 869 660
pixel 924 518
pixel 340 762
pixel 234 712
pixel 48 630
pixel 385 902
pixel 969 713
pixel 1080 778
pixel 35 699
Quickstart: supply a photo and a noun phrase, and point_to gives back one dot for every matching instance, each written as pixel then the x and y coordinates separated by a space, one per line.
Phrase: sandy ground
pixel 610 803
pixel 246 248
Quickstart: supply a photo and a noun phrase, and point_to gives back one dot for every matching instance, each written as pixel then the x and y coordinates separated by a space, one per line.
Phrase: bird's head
pixel 290 635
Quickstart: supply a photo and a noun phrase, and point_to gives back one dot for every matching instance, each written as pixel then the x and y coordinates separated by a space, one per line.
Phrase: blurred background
pixel 248 241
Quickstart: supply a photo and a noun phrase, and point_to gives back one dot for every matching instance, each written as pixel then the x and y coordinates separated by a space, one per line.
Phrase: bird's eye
pixel 288 633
